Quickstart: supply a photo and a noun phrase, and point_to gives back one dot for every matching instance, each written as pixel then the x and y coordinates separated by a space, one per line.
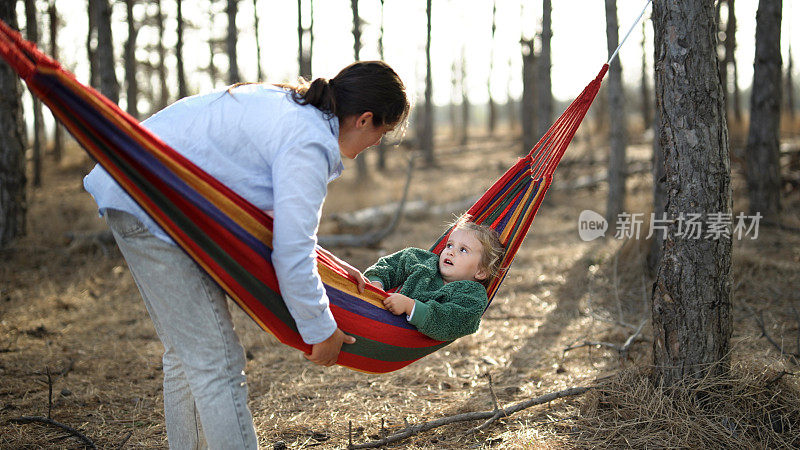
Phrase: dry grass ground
pixel 71 309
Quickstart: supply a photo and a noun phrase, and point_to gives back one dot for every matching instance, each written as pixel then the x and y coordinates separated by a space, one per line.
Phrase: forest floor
pixel 70 313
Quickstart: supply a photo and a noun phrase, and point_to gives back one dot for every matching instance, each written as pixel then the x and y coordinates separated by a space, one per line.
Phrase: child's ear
pixel 481 274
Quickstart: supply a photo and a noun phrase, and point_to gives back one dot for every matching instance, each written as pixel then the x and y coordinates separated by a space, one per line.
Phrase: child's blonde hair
pixel 492 253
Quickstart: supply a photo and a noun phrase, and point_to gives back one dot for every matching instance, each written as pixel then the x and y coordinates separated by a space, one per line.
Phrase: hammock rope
pixel 231 239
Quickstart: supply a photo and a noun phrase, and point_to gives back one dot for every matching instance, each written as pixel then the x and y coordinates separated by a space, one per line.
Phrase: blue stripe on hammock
pixel 365 309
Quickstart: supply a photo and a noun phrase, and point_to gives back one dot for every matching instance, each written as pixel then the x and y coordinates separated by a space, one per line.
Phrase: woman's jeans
pixel 203 359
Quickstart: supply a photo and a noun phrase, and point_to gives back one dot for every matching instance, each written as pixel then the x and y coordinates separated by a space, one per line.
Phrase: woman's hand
pixel 361 280
pixel 327 352
pixel 399 304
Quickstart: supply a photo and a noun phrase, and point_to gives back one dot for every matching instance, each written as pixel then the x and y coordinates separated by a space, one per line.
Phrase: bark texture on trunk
pixel 647 110
pixel 528 101
pixel 544 91
pixel 131 88
pixel 305 46
pixel 426 140
pixel 183 89
pixel 13 205
pixel 763 147
pixel 691 294
pixel 492 113
pixel 32 34
pixel 230 42
pixel 259 69
pixel 163 90
pixel 616 113
pixel 104 52
pixel 361 161
pixel 58 140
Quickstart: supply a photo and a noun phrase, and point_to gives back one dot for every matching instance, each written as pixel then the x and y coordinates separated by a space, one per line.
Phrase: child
pixel 443 295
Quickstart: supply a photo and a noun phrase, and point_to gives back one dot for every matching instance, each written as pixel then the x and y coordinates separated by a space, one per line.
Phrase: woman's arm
pixel 300 176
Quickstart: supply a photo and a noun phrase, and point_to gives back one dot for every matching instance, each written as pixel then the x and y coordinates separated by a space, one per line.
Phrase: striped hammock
pixel 231 239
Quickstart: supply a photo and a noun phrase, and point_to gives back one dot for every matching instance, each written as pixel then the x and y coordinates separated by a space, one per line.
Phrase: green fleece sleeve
pixel 390 270
pixel 458 315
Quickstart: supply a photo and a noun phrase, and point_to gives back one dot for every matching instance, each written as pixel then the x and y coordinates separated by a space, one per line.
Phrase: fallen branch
pixel 44 420
pixel 479 415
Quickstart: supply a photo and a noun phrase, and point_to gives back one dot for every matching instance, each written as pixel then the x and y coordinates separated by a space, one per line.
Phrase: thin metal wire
pixel 614 55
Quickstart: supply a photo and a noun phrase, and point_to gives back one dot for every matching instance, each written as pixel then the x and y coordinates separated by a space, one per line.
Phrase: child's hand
pixel 377 284
pixel 399 304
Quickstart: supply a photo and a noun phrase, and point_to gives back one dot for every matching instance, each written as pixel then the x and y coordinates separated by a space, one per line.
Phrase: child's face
pixel 461 257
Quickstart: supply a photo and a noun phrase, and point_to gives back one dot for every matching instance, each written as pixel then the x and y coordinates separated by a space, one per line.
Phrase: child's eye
pixel 448 246
pixel 463 249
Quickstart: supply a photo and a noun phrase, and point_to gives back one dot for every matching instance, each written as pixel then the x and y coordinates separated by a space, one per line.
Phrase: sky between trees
pixel 578 44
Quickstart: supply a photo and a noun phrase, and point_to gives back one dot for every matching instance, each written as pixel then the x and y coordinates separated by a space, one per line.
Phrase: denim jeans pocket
pixel 124 224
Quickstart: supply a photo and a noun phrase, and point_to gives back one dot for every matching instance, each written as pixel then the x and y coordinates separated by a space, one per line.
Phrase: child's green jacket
pixel 442 311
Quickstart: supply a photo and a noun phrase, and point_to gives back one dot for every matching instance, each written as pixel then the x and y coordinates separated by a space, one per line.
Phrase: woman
pixel 278 147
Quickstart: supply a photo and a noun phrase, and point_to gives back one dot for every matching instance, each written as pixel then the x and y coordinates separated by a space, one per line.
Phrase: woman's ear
pixel 364 120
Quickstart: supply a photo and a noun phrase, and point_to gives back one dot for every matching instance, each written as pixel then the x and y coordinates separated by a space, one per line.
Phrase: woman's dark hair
pixel 364 86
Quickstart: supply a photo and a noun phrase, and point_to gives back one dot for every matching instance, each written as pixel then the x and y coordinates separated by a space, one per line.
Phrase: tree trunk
pixel 617 122
pixel 91 42
pixel 691 294
pixel 260 70
pixel 12 146
pixel 455 94
pixel 104 52
pixel 730 55
pixel 492 108
pixel 647 112
pixel 131 88
pixel 213 73
pixel 659 196
pixel 528 100
pixel 465 104
pixel 183 89
pixel 58 133
pixel 233 61
pixel 763 146
pixel 361 161
pixel 381 144
pixel 544 93
pixel 304 49
pixel 32 34
pixel 790 87
pixel 163 90
pixel 426 141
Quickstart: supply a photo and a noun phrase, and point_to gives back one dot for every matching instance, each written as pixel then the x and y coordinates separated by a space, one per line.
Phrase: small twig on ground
pixel 125 441
pixel 797 318
pixel 779 376
pixel 759 318
pixel 415 429
pixel 47 421
pixel 49 393
pixel 495 403
pixel 622 350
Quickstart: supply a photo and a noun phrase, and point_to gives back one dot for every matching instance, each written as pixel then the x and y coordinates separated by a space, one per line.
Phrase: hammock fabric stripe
pixel 231 239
